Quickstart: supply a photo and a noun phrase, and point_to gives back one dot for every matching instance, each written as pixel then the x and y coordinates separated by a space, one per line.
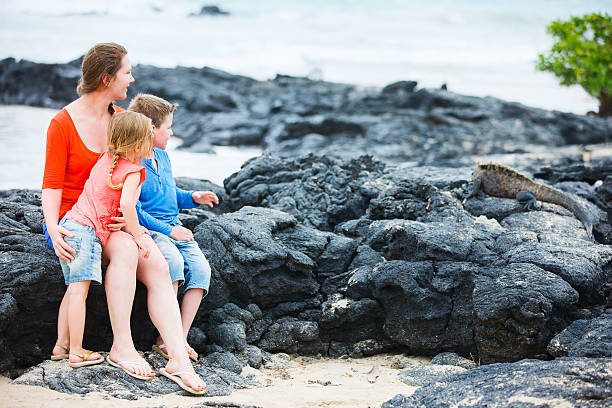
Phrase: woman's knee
pixel 121 247
pixel 153 270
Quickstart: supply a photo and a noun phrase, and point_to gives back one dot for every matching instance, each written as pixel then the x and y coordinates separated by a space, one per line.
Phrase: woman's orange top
pixel 68 161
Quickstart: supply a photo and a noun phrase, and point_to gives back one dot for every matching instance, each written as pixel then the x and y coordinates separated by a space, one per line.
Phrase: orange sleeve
pixel 56 155
pixel 143 176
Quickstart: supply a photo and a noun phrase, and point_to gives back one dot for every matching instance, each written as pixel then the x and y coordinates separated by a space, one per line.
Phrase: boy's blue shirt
pixel 160 198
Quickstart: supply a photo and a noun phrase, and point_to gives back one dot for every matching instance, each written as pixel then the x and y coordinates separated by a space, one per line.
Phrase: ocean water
pixel 24 156
pixel 476 47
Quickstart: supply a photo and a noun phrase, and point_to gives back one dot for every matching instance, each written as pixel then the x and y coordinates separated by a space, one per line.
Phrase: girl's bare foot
pixel 60 351
pixel 84 358
pixel 77 356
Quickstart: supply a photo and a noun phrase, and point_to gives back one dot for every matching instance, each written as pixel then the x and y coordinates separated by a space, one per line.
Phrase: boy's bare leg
pixel 165 314
pixel 120 285
pixel 77 295
pixel 189 309
pixel 63 336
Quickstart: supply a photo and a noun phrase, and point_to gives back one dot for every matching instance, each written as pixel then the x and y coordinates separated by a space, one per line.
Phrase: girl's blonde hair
pixel 129 133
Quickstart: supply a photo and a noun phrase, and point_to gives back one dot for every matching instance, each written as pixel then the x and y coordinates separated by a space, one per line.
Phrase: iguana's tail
pixel 571 202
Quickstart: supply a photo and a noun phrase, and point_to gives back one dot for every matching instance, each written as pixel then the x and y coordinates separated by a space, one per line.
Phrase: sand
pixel 304 383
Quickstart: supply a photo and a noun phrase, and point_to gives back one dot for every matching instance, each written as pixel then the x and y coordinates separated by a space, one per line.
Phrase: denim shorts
pixel 86 264
pixel 186 261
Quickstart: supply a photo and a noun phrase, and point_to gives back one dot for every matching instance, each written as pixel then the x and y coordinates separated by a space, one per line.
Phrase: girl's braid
pixel 110 173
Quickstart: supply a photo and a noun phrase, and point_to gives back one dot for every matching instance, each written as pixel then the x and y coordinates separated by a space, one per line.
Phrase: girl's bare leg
pixel 62 327
pixel 77 293
pixel 120 285
pixel 165 314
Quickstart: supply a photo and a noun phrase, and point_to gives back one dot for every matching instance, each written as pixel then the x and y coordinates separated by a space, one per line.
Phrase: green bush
pixel 582 55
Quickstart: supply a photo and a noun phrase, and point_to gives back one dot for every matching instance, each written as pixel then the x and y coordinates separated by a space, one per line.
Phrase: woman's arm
pixel 51 199
pixel 129 197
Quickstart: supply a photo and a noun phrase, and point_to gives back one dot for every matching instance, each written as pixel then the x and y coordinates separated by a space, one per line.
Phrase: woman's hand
pixel 62 249
pixel 205 197
pixel 180 233
pixel 143 245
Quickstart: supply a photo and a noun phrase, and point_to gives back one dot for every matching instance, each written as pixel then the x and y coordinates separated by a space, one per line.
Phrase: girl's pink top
pixel 98 202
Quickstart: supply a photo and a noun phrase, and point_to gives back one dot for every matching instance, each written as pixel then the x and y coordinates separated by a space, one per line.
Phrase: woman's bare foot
pixel 128 356
pixel 191 379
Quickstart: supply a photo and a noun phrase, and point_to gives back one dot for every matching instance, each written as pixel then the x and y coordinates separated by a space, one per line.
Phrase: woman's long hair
pixel 101 60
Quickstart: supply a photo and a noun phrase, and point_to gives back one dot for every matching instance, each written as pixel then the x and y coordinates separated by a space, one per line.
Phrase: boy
pixel 158 209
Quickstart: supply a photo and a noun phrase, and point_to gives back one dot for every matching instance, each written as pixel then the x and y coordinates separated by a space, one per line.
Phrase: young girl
pixel 113 184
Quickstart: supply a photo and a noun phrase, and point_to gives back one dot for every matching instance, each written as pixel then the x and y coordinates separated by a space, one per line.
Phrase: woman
pixel 76 137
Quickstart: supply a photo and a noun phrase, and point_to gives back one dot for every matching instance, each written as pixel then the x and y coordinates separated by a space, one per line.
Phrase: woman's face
pixel 122 79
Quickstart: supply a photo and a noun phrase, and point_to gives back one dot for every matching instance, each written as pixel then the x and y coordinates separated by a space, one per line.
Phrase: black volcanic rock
pixel 343 254
pixel 584 338
pixel 372 258
pixel 48 85
pixel 578 382
pixel 319 192
pixel 103 378
pixel 210 10
pixel 292 116
pixel 534 306
pixel 344 258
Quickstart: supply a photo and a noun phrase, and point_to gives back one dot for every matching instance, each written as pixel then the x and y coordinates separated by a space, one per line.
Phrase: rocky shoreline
pixel 343 255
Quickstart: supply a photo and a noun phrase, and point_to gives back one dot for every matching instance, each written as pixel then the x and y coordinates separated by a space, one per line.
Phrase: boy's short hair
pixel 152 106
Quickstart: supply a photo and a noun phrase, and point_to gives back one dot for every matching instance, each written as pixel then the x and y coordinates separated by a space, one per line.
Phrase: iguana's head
pixel 477 170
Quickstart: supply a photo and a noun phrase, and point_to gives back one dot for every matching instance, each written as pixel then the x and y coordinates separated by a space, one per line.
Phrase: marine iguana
pixel 501 181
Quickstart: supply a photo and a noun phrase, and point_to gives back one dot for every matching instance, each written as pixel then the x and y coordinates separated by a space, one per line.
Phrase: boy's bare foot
pixel 191 379
pixel 191 352
pixel 136 366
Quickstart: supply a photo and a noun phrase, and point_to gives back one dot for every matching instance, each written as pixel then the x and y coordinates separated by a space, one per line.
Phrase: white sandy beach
pixel 302 384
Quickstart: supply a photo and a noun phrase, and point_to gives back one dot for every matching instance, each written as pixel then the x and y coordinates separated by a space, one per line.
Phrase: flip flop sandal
pixel 85 360
pixel 175 377
pixel 160 350
pixel 191 356
pixel 57 357
pixel 119 364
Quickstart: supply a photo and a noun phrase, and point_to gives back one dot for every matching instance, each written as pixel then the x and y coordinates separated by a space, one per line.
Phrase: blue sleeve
pixel 184 199
pixel 150 222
